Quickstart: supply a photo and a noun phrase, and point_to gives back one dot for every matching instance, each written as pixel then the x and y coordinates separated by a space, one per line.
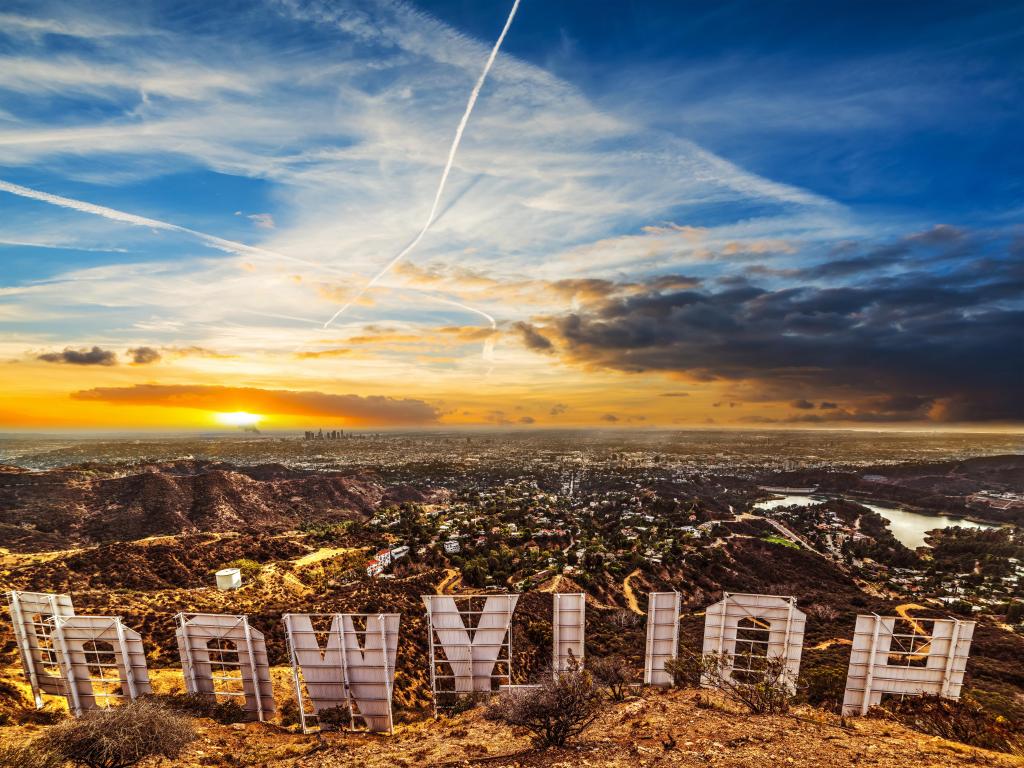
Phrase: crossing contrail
pixel 444 174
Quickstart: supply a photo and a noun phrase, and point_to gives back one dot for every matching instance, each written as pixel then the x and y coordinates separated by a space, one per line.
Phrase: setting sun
pixel 238 419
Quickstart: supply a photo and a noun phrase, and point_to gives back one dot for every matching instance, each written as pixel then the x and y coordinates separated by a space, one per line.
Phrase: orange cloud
pixel 354 409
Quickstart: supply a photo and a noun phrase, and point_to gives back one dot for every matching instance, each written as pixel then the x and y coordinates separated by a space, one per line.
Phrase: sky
pixel 660 214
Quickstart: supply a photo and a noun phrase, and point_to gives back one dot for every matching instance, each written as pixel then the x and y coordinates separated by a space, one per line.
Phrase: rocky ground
pixel 675 728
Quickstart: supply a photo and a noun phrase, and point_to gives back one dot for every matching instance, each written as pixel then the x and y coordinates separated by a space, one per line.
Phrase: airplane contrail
pixel 444 174
pixel 221 244
pixel 488 350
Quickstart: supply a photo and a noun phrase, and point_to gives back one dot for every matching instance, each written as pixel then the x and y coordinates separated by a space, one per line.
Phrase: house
pixel 451 546
pixel 374 568
pixel 399 552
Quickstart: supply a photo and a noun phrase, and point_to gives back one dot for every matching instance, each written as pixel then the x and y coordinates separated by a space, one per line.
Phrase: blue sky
pixel 626 163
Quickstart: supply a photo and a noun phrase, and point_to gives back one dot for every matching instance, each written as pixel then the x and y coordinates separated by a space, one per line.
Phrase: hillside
pixel 89 504
pixel 675 728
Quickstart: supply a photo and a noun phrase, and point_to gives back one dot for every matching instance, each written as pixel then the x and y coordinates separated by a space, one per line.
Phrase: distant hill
pixel 91 504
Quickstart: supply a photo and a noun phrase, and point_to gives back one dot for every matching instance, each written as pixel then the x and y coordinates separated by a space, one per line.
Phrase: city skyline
pixel 664 215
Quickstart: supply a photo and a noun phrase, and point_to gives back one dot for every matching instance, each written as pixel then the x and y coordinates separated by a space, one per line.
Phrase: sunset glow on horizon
pixel 659 223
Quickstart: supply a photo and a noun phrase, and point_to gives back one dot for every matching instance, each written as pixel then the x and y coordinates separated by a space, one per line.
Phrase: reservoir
pixel 908 527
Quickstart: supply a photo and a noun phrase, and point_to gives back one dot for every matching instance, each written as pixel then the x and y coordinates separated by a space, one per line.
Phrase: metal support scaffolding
pixel 354 668
pixel 102 661
pixel 222 656
pixel 662 636
pixel 920 660
pixel 568 626
pixel 32 633
pixel 749 629
pixel 472 653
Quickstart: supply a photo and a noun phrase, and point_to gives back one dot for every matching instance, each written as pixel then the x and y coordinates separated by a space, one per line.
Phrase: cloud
pixel 532 338
pixel 674 394
pixel 355 409
pixel 827 406
pixel 609 417
pixel 94 356
pixel 262 220
pixel 802 405
pixel 914 345
pixel 526 420
pixel 558 409
pixel 143 355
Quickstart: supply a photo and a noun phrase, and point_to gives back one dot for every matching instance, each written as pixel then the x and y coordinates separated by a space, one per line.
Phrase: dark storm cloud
pixel 374 409
pixel 94 356
pixel 908 345
pixel 532 338
pixel 827 406
pixel 143 355
pixel 803 405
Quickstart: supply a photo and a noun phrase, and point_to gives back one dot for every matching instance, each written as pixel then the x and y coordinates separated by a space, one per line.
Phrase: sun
pixel 238 419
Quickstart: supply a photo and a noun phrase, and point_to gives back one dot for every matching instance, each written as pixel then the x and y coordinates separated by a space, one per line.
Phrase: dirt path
pixel 324 553
pixel 627 591
pixel 903 611
pixel 451 580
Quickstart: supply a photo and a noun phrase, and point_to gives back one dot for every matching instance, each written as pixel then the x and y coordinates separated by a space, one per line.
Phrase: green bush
pixel 250 569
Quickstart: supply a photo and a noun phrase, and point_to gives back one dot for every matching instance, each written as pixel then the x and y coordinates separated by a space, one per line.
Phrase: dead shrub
pixel 31 755
pixel 200 705
pixel 557 710
pixel 965 721
pixel 764 689
pixel 613 673
pixel 120 736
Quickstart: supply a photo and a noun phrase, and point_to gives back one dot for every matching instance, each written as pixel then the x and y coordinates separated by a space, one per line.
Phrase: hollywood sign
pixel 343 664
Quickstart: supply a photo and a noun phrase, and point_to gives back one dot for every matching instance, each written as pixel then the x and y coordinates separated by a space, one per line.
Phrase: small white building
pixel 228 579
pixel 451 546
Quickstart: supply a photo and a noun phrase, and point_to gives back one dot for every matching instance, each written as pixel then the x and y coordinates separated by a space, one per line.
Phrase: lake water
pixel 908 527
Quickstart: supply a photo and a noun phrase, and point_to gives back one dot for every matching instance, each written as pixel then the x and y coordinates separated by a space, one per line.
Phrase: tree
pixel 555 711
pixel 121 736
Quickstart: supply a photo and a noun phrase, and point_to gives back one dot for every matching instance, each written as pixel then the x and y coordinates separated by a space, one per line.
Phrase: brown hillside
pixel 76 506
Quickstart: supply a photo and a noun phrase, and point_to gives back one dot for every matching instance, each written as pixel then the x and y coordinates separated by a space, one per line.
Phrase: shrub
pixel 120 736
pixel 614 673
pixel 965 721
pixel 200 705
pixel 765 690
pixel 825 687
pixel 250 569
pixel 555 711
pixel 686 669
pixel 335 718
pixel 823 612
pixel 31 755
